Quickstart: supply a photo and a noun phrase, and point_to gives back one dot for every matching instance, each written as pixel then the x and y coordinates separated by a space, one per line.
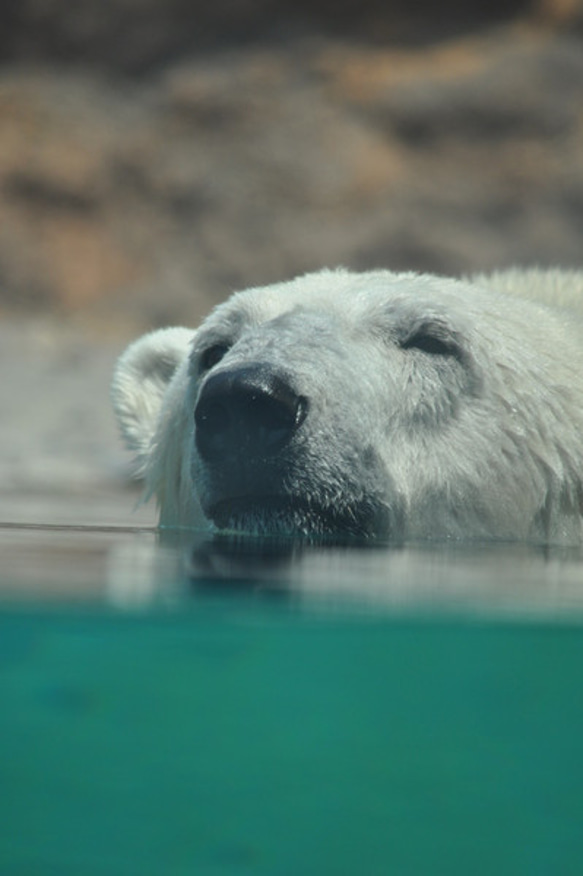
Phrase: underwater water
pixel 251 707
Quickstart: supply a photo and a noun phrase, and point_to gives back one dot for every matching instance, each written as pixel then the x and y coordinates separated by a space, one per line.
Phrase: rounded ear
pixel 140 380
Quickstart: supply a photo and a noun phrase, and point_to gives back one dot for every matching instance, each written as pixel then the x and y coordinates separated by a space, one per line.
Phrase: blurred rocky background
pixel 155 155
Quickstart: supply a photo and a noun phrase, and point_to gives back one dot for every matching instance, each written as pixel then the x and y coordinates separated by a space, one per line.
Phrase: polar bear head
pixel 375 405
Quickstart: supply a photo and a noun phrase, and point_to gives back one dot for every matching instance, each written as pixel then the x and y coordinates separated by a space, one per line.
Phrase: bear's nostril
pixel 249 411
pixel 274 416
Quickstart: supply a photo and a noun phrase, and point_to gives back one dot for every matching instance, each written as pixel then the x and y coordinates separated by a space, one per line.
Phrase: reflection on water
pixel 137 568
pixel 426 577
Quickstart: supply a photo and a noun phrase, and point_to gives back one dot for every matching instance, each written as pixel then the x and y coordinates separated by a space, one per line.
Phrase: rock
pixel 141 200
pixel 135 37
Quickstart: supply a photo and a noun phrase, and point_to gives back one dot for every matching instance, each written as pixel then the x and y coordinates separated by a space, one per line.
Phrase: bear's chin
pixel 284 516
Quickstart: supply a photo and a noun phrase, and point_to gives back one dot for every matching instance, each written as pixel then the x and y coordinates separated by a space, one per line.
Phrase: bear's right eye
pixel 212 356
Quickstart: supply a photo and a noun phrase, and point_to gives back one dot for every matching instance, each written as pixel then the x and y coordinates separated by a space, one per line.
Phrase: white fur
pixel 140 382
pixel 486 443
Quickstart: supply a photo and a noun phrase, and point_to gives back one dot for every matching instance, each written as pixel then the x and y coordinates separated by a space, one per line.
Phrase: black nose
pixel 250 412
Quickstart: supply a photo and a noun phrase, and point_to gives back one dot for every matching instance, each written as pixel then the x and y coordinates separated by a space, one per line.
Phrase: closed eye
pixel 429 343
pixel 434 337
pixel 212 356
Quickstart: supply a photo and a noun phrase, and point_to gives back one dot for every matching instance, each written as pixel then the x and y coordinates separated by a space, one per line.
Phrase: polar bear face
pixel 371 405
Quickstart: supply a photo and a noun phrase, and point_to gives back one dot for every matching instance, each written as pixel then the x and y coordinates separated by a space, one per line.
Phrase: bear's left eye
pixel 429 342
pixel 212 356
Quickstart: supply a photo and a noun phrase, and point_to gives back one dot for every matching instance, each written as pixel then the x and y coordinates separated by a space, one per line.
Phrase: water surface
pixel 236 707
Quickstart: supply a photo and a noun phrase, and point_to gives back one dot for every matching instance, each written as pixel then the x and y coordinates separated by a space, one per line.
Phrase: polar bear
pixel 373 405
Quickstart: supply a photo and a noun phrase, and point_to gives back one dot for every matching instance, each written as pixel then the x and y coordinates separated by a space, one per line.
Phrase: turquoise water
pixel 230 732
